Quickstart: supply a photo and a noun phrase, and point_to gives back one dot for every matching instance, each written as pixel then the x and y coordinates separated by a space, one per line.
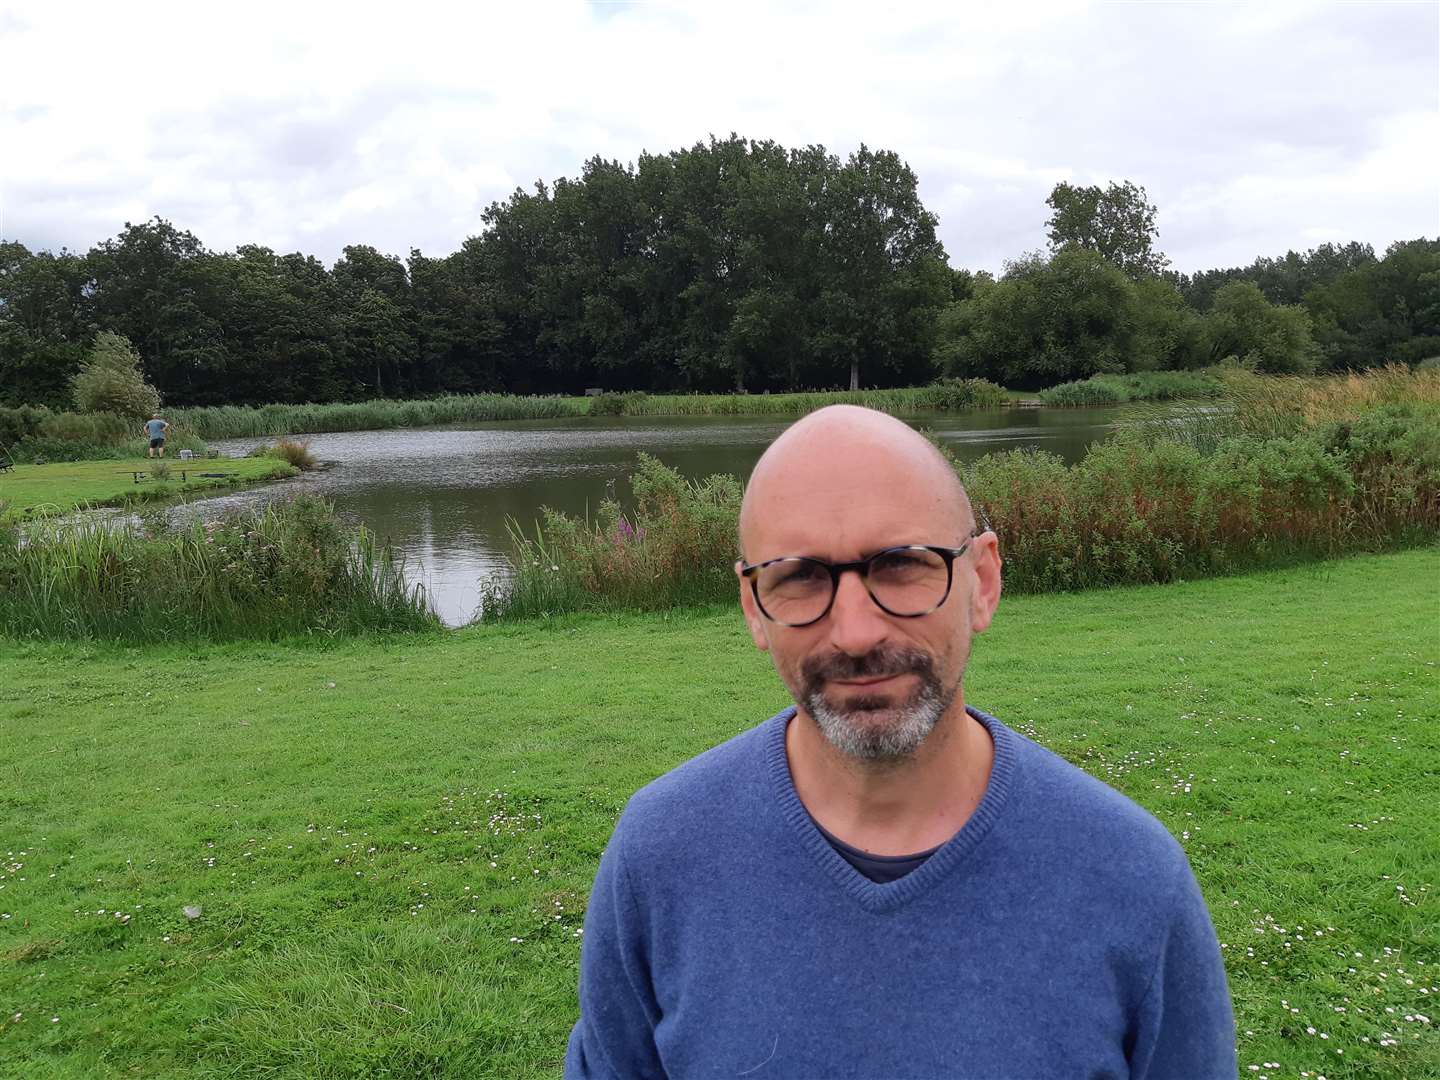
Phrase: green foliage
pixel 675 549
pixel 1085 393
pixel 110 380
pixel 1153 504
pixel 289 569
pixel 956 394
pixel 612 404
pixel 311 799
pixel 245 421
pixel 41 435
pixel 1266 338
pixel 1117 223
pixel 295 451
pixel 1136 386
pixel 19 423
pixel 1364 311
pixel 1066 318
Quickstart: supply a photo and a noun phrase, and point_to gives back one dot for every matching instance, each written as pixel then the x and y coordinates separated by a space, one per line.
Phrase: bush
pixel 20 423
pixel 1142 507
pixel 1136 386
pixel 676 548
pixel 289 569
pixel 110 380
pixel 295 451
pixel 613 404
pixel 1089 392
pixel 953 393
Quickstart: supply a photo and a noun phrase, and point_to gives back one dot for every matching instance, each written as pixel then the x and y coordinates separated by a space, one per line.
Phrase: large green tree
pixel 1272 338
pixel 1116 222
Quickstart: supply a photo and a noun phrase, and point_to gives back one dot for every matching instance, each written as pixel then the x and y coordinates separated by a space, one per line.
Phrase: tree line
pixel 728 265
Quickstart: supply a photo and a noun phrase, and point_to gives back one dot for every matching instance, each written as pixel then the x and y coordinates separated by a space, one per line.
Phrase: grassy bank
pixel 289 568
pixel 391 841
pixel 235 421
pixel 31 489
pixel 1155 504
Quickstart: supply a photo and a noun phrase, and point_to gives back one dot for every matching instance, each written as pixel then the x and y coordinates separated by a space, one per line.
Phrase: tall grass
pixel 938 396
pixel 289 569
pixel 675 549
pixel 244 421
pixel 1141 508
pixel 38 436
pixel 1284 404
pixel 1136 386
pixel 241 421
pixel 294 451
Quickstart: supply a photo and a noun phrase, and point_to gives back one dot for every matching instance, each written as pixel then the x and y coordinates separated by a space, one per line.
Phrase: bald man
pixel 881 881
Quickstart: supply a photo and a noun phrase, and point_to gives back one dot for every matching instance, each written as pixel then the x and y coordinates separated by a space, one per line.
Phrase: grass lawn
pixel 69 484
pixel 391 841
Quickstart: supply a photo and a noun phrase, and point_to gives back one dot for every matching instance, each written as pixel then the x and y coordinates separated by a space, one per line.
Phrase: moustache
pixel 880 663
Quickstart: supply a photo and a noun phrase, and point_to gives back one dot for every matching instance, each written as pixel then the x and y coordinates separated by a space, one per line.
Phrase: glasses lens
pixel 908 581
pixel 794 590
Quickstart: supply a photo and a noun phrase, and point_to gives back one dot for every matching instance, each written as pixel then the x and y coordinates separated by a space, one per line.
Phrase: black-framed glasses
pixel 907 581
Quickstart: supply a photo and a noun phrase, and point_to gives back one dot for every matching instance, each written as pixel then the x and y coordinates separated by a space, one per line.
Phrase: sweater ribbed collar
pixel 893 895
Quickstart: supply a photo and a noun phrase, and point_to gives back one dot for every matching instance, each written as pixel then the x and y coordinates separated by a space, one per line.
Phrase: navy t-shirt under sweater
pixel 1060 933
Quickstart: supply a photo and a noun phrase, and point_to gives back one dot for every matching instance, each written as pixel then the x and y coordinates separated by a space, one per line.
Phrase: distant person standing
pixel 155 428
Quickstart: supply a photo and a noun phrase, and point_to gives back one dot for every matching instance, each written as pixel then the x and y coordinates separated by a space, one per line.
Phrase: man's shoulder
pixel 1085 818
pixel 700 795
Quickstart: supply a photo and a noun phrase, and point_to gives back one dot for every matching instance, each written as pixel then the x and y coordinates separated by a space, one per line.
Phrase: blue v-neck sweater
pixel 1060 933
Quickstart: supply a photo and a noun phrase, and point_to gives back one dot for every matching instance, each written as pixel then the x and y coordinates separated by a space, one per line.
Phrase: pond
pixel 442 496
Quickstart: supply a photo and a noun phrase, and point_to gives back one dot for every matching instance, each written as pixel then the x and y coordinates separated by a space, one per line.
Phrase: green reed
pixel 1153 504
pixel 289 569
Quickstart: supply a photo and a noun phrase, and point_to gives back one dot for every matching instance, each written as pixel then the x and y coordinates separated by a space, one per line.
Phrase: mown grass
pixel 33 489
pixel 391 840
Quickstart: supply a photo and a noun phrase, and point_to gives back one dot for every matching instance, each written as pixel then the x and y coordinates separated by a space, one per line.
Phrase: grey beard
pixel 871 729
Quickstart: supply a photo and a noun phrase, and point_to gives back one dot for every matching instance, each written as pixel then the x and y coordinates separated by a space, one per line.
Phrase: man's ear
pixel 985 596
pixel 753 619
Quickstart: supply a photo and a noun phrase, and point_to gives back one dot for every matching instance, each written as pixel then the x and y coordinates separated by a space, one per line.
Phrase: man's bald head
pixel 842 458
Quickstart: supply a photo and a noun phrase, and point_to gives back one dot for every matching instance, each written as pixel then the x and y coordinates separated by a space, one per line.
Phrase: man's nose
pixel 856 623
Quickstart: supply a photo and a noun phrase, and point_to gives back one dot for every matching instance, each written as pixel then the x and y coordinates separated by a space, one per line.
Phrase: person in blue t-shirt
pixel 155 429
pixel 882 880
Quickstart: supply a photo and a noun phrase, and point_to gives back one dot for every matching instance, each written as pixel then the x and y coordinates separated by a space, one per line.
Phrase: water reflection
pixel 442 496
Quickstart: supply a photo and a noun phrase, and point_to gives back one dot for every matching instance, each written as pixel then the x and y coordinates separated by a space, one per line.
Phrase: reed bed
pixel 674 549
pixel 245 421
pixel 1284 404
pixel 291 569
pixel 944 394
pixel 37 436
pixel 1142 508
pixel 1099 390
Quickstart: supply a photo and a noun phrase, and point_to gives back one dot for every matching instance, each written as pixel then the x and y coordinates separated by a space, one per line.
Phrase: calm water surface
pixel 442 496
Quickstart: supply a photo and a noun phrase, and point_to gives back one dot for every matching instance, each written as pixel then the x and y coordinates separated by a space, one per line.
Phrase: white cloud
pixel 1254 127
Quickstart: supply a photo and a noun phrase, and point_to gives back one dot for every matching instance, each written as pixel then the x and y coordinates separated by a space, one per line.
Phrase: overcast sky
pixel 1255 127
